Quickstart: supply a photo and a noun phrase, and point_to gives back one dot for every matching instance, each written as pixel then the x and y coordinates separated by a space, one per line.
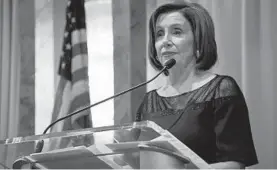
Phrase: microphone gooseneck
pixel 4 166
pixel 168 65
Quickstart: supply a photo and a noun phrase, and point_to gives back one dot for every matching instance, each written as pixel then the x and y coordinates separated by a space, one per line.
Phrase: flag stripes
pixel 73 89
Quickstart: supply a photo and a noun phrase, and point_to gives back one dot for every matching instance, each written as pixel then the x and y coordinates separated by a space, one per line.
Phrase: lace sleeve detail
pixel 232 125
pixel 228 87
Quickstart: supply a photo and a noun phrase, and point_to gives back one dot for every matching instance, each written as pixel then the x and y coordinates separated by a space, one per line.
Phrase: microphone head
pixel 170 63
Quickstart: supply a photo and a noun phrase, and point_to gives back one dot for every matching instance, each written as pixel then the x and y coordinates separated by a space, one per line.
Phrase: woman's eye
pixel 159 33
pixel 177 31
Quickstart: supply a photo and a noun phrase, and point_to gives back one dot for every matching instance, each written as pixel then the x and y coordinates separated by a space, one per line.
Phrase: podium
pixel 138 145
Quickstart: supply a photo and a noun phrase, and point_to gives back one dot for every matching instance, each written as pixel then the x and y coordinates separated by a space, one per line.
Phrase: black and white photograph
pixel 138 84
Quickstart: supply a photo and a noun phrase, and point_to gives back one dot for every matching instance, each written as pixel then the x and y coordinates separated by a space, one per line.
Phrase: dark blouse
pixel 212 120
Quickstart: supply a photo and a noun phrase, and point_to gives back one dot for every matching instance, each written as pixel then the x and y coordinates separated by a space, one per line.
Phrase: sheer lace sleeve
pixel 232 126
pixel 228 88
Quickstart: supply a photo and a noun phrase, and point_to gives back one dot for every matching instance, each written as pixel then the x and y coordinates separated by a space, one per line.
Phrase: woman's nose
pixel 167 42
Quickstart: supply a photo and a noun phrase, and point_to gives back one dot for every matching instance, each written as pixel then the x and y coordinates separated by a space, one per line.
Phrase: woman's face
pixel 174 38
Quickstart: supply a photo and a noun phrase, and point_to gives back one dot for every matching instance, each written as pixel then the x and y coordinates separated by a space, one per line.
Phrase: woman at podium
pixel 206 111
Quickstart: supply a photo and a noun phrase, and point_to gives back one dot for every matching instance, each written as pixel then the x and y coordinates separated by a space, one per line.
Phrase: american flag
pixel 73 88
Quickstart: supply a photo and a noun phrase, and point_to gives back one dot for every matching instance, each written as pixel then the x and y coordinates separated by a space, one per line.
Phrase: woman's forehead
pixel 171 18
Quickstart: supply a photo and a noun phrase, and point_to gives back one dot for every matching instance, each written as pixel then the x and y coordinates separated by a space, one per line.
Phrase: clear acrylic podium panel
pixel 129 146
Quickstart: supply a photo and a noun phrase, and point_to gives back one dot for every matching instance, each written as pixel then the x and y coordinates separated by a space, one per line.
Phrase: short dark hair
pixel 203 31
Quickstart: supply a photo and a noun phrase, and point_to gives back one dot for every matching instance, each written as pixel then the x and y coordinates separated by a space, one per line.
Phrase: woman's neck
pixel 183 80
pixel 180 77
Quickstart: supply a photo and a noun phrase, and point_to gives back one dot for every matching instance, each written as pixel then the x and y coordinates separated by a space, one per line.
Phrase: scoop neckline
pixel 216 75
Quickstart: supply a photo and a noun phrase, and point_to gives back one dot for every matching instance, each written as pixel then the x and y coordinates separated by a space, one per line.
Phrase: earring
pixel 197 54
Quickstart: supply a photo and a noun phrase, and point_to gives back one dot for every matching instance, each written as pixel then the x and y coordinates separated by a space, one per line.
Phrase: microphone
pixel 168 65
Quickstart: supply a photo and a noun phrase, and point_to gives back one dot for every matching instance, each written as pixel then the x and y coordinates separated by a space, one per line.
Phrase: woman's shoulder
pixel 227 86
pixel 226 80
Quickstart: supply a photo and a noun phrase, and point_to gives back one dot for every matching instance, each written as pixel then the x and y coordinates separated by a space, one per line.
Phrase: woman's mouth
pixel 168 54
